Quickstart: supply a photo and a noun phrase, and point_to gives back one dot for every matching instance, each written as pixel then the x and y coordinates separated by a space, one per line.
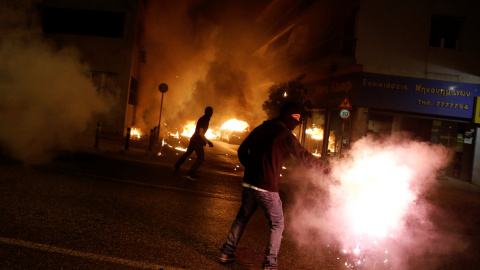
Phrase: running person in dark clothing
pixel 263 153
pixel 197 142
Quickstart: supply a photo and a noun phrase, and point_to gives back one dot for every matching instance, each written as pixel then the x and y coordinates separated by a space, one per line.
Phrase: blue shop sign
pixel 416 95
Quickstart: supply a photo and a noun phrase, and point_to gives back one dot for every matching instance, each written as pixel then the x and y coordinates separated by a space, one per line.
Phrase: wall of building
pixel 393 38
pixel 112 59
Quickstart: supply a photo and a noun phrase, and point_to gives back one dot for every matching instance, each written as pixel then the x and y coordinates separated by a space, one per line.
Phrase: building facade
pixel 387 67
pixel 108 36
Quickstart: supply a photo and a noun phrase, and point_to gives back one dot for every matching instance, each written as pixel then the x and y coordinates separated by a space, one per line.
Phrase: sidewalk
pixel 114 145
pixel 457 184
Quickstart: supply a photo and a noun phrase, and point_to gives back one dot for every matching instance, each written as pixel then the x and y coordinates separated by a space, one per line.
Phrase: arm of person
pixel 202 134
pixel 302 154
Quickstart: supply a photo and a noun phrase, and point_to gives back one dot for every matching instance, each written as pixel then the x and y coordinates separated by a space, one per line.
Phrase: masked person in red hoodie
pixel 263 153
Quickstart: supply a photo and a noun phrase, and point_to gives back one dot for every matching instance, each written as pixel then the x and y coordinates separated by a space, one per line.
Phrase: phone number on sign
pixel 452 105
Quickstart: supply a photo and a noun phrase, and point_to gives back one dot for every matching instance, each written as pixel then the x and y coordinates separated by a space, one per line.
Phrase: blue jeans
pixel 271 204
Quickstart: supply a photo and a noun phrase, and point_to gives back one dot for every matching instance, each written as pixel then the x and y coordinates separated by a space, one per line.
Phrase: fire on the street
pixel 234 125
pixel 230 125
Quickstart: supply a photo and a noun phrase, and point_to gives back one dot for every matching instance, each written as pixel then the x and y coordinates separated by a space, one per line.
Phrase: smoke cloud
pixel 45 101
pixel 203 51
pixel 373 210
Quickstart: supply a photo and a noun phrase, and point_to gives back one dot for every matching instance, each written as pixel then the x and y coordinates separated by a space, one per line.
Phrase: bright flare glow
pixel 370 212
pixel 378 194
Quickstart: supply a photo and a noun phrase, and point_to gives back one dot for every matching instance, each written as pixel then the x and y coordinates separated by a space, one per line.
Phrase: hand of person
pixel 210 144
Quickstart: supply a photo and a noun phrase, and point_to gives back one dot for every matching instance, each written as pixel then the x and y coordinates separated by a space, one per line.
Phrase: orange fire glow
pixel 315 133
pixel 189 129
pixel 135 134
pixel 211 134
pixel 234 125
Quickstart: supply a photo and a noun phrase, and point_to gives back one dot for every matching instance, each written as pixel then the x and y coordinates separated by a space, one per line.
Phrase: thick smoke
pixel 203 51
pixel 372 208
pixel 45 101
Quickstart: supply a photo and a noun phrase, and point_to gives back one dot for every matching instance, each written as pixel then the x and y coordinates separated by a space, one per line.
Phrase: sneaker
pixel 191 177
pixel 226 258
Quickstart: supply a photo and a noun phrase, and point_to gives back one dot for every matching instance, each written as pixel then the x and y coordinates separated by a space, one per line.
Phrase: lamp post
pixel 163 88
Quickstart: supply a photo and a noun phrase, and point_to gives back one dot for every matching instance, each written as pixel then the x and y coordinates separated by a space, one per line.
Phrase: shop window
pixel 338 138
pixel 445 32
pixel 380 125
pixel 455 136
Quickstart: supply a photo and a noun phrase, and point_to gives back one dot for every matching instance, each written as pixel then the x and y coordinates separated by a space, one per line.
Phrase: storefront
pixel 428 110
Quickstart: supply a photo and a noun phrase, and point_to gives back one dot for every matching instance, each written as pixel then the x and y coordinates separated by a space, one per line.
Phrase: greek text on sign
pixel 344 114
pixel 345 104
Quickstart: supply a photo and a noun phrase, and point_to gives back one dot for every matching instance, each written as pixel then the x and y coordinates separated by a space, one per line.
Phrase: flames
pixel 234 125
pixel 189 129
pixel 230 125
pixel 135 134
pixel 315 133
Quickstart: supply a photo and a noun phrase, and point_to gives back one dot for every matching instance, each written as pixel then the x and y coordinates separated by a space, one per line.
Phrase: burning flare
pixel 377 205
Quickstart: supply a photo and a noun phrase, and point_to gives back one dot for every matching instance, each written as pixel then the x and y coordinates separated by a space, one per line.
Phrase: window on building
pixel 106 83
pixel 455 136
pixel 446 32
pixel 83 22
pixel 133 96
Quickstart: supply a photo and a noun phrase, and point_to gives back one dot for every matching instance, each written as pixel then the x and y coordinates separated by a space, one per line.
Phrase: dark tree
pixel 281 93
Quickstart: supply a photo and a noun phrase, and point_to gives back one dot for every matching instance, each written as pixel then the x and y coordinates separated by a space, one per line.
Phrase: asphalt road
pixel 128 210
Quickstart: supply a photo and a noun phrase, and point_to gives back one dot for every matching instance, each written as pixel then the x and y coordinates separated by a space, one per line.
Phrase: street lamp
pixel 163 88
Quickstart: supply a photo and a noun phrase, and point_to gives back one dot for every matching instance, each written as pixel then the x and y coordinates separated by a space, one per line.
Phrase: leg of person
pixel 249 205
pixel 198 148
pixel 183 157
pixel 272 205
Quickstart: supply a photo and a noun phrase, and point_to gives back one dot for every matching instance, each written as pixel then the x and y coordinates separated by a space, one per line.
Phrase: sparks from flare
pixel 371 211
